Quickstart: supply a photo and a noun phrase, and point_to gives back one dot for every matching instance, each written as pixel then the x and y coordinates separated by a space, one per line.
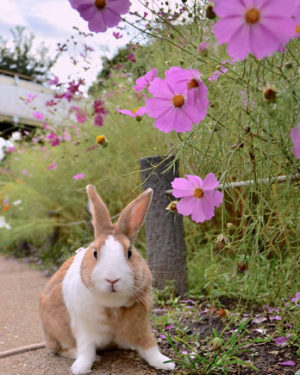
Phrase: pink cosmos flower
pixel 38 115
pixel 80 115
pixel 98 121
pixel 117 35
pixel 295 137
pixel 198 197
pixel 202 48
pixel 143 82
pixel 171 107
pixel 297 19
pixel 101 14
pixel 54 139
pixel 216 74
pixel 54 81
pixel 52 166
pixel 296 299
pixel 137 112
pixel 78 176
pixel 99 106
pixel 190 81
pixel 30 98
pixel 131 57
pixel 51 103
pixel 257 27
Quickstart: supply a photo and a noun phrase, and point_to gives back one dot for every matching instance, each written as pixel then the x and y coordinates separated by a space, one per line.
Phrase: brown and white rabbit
pixel 101 297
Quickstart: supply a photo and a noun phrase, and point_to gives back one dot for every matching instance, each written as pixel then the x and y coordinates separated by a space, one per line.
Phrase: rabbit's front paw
pixel 155 359
pixel 158 362
pixel 81 366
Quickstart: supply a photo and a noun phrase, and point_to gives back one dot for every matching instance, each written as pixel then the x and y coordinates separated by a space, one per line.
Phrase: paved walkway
pixel 20 325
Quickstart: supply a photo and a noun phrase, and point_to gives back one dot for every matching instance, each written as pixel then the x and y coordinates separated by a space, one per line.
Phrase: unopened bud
pixel 210 14
pixel 269 94
pixel 172 206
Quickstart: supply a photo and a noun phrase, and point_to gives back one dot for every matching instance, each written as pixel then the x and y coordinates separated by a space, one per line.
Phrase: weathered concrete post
pixel 164 231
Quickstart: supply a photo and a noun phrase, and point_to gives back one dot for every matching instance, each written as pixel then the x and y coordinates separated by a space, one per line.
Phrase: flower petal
pixel 158 106
pixel 161 89
pixel 186 206
pixel 111 17
pixel 121 6
pixel 97 23
pixel 210 182
pixel 182 188
pixel 239 44
pixel 196 181
pixel 198 213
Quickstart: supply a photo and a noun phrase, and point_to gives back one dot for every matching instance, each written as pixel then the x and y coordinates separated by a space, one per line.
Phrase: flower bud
pixel 269 94
pixel 202 48
pixel 172 206
pixel 210 14
pixel 101 140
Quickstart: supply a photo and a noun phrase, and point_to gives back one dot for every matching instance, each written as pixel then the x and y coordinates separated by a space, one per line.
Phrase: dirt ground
pixel 20 325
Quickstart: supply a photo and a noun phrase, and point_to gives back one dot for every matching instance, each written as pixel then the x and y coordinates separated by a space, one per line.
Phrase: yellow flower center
pixel 252 16
pixel 198 193
pixel 100 4
pixel 193 84
pixel 135 110
pixel 298 29
pixel 100 139
pixel 178 100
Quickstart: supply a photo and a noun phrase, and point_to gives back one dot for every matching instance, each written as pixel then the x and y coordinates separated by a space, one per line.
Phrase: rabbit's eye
pixel 95 254
pixel 129 253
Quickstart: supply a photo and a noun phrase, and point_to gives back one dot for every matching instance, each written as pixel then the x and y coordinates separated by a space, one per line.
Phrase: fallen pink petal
pixel 280 340
pixel 52 166
pixel 78 176
pixel 287 363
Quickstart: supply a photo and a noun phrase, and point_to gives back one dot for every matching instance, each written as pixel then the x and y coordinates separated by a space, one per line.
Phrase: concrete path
pixel 20 325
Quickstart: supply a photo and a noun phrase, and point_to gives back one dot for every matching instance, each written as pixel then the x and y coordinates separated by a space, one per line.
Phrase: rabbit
pixel 101 297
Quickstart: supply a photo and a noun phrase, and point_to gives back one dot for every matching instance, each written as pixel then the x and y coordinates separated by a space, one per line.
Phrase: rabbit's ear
pixel 100 216
pixel 133 215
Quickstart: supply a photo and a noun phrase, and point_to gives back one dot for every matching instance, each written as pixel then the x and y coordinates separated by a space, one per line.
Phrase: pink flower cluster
pixel 179 101
pixel 100 112
pixel 80 115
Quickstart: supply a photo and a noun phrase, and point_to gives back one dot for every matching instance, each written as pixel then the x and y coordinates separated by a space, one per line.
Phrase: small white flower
pixel 16 203
pixel 3 223
pixel 16 136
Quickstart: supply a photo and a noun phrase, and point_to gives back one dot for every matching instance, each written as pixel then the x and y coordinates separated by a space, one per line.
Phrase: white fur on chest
pixel 86 311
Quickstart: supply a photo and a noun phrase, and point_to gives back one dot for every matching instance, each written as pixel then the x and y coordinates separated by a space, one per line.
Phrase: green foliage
pixel 52 199
pixel 221 360
pixel 21 59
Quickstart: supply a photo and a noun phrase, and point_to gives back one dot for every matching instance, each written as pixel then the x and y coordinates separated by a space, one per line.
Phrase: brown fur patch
pixel 58 333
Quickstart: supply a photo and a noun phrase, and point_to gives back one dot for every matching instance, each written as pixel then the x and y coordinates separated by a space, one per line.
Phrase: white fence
pixel 15 110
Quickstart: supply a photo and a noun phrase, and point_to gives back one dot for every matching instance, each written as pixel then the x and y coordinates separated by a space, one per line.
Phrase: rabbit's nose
pixel 112 282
